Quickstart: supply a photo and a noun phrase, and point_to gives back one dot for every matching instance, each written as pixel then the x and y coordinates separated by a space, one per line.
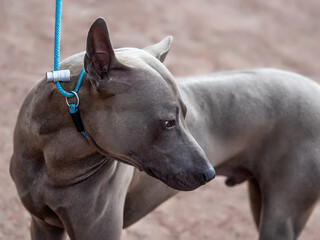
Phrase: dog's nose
pixel 208 175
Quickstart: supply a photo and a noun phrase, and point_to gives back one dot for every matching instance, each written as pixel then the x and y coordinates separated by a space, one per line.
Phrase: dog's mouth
pixel 181 182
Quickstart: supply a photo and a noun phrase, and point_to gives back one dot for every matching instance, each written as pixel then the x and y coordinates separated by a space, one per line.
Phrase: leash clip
pixel 78 100
pixel 58 76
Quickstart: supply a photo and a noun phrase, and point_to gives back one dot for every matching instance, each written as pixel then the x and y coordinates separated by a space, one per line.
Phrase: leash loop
pixel 76 95
pixel 77 87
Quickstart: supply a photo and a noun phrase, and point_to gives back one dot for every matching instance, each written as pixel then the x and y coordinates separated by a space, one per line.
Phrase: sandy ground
pixel 209 35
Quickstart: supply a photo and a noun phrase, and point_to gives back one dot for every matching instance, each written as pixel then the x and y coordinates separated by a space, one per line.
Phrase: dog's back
pixel 245 104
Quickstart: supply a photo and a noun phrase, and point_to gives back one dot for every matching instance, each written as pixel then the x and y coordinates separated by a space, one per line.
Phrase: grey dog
pixel 132 113
pixel 258 125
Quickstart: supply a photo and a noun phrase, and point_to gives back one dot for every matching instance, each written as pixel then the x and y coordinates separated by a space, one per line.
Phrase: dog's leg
pixel 105 226
pixel 145 194
pixel 276 224
pixel 255 200
pixel 94 218
pixel 280 222
pixel 289 196
pixel 41 230
pixel 93 209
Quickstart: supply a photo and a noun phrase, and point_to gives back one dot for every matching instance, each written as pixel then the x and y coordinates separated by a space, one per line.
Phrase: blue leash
pixel 73 108
pixel 57 35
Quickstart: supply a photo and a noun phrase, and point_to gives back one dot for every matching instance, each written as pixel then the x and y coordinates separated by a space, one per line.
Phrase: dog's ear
pixel 160 49
pixel 100 57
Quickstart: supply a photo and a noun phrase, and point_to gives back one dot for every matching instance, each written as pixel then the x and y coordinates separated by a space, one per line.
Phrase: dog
pixel 259 126
pixel 133 116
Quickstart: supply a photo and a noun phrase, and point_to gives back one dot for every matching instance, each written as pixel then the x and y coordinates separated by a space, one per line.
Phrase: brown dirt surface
pixel 209 35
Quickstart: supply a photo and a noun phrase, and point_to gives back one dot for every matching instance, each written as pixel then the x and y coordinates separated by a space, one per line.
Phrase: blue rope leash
pixel 57 35
pixel 74 111
pixel 57 53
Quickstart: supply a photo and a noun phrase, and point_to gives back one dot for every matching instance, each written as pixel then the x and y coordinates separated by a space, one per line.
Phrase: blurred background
pixel 209 35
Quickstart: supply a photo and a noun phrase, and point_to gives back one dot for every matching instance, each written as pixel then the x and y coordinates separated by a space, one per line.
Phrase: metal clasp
pixel 78 100
pixel 58 76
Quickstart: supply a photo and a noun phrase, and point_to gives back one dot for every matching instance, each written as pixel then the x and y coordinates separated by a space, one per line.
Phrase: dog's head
pixel 136 114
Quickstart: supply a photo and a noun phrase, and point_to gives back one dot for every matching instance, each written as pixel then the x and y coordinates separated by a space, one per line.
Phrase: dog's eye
pixel 170 124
